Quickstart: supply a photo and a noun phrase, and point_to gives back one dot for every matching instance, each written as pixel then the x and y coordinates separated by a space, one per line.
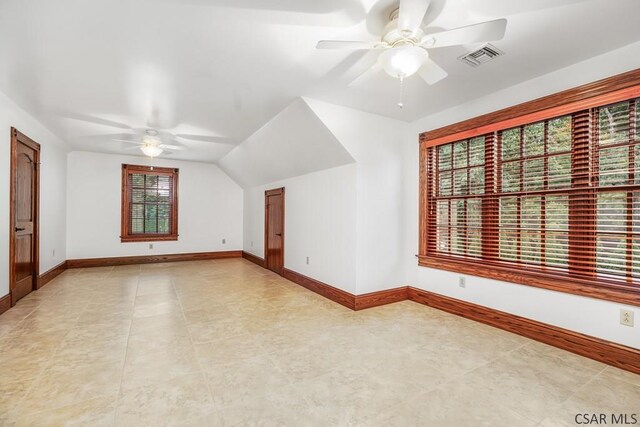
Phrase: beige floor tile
pixel 227 351
pixel 94 412
pixel 147 367
pixel 225 342
pixel 146 287
pixel 160 321
pixel 183 400
pixel 602 395
pixel 615 373
pixel 62 385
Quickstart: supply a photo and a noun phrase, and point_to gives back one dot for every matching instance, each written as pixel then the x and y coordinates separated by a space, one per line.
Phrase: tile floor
pixel 228 343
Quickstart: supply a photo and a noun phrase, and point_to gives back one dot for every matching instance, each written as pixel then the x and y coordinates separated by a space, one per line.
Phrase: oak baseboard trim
pixel 51 274
pixel 604 351
pixel 334 294
pixel 347 299
pixel 150 259
pixel 254 259
pixel 376 299
pixel 5 303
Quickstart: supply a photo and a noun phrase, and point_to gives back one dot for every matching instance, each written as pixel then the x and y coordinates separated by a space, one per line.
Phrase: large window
pixel 551 202
pixel 149 203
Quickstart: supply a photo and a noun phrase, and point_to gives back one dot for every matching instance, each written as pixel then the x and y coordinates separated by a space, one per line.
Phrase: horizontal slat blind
pixel 562 194
pixel 616 152
pixel 150 204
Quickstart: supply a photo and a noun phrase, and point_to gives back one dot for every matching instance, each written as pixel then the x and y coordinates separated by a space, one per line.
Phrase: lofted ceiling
pixel 209 73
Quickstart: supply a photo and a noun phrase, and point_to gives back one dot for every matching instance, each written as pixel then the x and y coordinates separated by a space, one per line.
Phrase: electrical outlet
pixel 307 260
pixel 150 245
pixel 626 317
pixel 54 253
pixel 462 282
pixel 252 243
pixel 224 241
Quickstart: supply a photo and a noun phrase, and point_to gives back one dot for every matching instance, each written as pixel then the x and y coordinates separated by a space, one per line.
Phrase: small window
pixel 149 204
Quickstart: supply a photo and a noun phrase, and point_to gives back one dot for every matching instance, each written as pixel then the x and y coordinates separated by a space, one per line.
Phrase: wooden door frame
pixel 16 137
pixel 267 193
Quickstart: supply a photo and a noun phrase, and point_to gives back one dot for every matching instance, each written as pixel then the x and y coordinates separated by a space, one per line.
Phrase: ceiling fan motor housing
pixel 394 36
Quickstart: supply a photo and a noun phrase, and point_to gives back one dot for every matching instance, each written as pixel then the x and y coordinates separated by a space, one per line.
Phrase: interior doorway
pixel 23 211
pixel 274 229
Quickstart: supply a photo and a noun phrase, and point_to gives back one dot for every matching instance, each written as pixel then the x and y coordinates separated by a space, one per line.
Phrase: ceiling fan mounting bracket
pixel 393 36
pixel 396 37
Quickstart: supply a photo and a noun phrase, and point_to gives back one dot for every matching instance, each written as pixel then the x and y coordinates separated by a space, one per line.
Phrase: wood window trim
pixel 605 91
pixel 609 90
pixel 536 276
pixel 125 234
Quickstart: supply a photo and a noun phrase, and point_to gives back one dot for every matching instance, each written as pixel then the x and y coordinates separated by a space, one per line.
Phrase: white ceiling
pixel 295 142
pixel 93 70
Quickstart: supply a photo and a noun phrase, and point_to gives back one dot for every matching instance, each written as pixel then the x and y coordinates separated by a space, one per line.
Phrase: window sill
pixel 149 238
pixel 605 289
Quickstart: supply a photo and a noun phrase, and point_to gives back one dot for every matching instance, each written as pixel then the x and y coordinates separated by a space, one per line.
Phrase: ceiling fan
pixel 151 145
pixel 404 43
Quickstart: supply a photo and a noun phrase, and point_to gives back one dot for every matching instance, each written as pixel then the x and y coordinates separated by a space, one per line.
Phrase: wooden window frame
pixel 580 99
pixel 126 235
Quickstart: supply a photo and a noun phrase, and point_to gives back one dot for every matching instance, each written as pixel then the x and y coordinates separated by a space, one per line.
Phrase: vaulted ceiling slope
pixel 295 142
pixel 211 72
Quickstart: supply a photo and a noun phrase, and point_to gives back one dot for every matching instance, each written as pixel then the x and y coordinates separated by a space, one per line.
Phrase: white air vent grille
pixel 478 57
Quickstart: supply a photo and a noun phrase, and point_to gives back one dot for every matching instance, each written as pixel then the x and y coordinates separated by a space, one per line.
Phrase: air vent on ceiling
pixel 478 57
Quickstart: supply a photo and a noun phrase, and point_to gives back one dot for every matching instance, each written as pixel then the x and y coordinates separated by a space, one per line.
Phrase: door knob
pixel 20 228
pixel 279 234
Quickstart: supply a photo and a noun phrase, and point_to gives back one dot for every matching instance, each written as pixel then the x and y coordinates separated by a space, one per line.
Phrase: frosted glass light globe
pixel 403 61
pixel 151 150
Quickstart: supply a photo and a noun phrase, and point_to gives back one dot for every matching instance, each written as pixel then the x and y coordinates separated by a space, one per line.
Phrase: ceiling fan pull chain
pixel 401 104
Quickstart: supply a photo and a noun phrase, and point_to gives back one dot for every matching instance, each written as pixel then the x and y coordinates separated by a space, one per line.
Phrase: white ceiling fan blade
pixel 92 119
pixel 348 45
pixel 171 147
pixel 206 138
pixel 128 141
pixel 411 14
pixel 368 74
pixel 476 33
pixel 431 72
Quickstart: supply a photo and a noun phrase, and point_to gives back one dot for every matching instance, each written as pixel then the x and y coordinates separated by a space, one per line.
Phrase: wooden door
pixel 274 230
pixel 23 210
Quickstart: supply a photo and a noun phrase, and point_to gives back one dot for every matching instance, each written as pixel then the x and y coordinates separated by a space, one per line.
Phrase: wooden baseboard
pixel 51 274
pixel 349 300
pixel 375 299
pixel 254 259
pixel 5 303
pixel 150 259
pixel 608 352
pixel 334 294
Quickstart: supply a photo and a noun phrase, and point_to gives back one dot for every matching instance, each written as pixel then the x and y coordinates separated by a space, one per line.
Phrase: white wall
pixel 209 208
pixel 586 315
pixel 52 188
pixel 320 223
pixel 376 143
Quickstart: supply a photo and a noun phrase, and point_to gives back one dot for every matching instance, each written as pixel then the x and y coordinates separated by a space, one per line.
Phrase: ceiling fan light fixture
pixel 151 150
pixel 403 61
